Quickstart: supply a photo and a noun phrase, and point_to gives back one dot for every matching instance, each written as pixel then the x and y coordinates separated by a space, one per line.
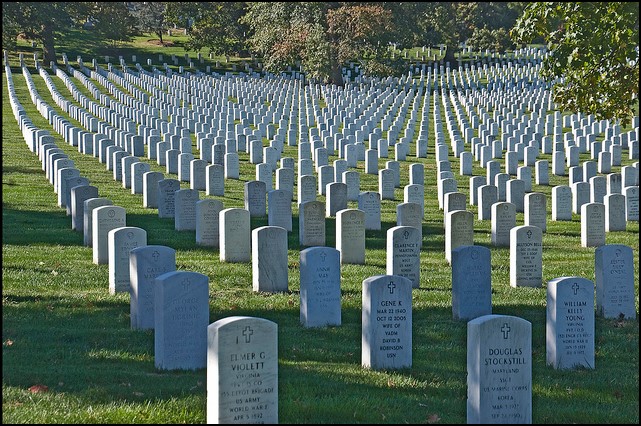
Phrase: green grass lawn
pixel 70 356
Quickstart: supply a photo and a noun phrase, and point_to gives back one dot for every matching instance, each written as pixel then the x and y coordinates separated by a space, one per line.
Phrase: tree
pixel 112 20
pixel 10 28
pixel 151 16
pixel 594 54
pixel 497 40
pixel 42 21
pixel 212 25
pixel 453 23
pixel 320 36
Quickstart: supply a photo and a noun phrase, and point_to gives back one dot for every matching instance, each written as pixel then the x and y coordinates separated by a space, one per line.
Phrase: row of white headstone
pixel 404 314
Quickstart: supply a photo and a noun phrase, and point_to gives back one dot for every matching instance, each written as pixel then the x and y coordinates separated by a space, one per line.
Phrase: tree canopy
pixel 212 25
pixel 40 21
pixel 594 54
pixel 594 46
pixel 150 16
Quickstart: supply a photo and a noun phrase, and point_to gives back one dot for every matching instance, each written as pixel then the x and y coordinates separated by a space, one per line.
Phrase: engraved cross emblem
pixel 186 282
pixel 155 255
pixel 575 287
pixel 247 332
pixel 391 287
pixel 505 330
pixel 529 233
pixel 323 255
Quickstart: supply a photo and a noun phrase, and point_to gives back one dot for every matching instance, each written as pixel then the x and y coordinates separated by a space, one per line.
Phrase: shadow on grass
pixel 85 347
pixel 29 227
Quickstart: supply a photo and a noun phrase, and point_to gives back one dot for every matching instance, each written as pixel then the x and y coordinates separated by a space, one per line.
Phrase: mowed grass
pixel 70 356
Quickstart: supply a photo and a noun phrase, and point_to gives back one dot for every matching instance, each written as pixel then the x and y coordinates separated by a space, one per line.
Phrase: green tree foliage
pixel 212 25
pixel 320 36
pixel 497 40
pixel 113 21
pixel 287 33
pixel 10 27
pixel 362 33
pixel 452 23
pixel 594 59
pixel 41 22
pixel 151 16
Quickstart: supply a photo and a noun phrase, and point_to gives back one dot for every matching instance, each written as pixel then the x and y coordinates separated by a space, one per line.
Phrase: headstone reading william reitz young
pixel 320 287
pixel 386 336
pixel 145 264
pixel 242 371
pixel 569 326
pixel 471 282
pixel 614 272
pixel 181 317
pixel 499 370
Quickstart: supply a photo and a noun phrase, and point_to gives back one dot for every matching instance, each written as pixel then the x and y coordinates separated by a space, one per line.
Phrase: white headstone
pixel 207 222
pixel 242 371
pixel 185 209
pixel 235 235
pixel 350 236
pixel 403 253
pixel 104 219
pixel 471 282
pixel 120 242
pixel 269 259
pixel 570 323
pixel 166 197
pixel 535 213
pixel 499 370
pixel 615 282
pixel 145 264
pixel 526 256
pixel 255 196
pixel 181 316
pixel 89 205
pixel 459 231
pixel 592 225
pixel 320 287
pixel 79 194
pixel 279 210
pixel 386 341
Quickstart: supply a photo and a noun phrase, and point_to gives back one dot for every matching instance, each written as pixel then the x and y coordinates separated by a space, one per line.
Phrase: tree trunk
pixel 336 75
pixel 451 56
pixel 335 69
pixel 48 45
